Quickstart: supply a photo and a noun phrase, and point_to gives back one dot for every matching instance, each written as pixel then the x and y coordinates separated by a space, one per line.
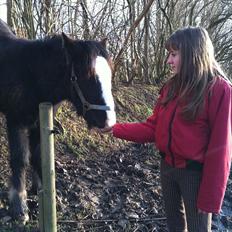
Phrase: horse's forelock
pixel 84 57
pixel 88 58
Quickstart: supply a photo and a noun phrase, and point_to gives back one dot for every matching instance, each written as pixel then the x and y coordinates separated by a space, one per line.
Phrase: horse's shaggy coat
pixel 38 71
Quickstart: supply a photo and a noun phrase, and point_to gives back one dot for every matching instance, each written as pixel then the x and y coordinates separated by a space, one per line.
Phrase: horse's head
pixel 90 80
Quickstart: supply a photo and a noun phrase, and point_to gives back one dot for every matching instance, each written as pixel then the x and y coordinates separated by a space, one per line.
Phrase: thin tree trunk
pixel 9 13
pixel 47 18
pixel 146 44
pixel 85 19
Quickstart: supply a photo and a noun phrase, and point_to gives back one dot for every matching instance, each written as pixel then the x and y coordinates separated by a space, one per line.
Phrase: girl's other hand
pixel 201 211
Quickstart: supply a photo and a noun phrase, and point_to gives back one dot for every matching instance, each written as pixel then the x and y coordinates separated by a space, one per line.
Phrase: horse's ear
pixel 66 41
pixel 103 42
pixel 67 46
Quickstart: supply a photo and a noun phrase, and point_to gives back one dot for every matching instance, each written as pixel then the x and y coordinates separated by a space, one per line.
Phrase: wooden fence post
pixel 47 217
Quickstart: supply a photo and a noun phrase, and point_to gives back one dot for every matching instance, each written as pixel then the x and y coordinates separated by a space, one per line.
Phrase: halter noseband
pixel 86 105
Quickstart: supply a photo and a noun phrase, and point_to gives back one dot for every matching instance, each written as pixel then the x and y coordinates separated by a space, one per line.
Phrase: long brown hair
pixel 198 69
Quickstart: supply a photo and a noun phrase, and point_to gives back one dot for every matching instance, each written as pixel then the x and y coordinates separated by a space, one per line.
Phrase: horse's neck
pixel 50 69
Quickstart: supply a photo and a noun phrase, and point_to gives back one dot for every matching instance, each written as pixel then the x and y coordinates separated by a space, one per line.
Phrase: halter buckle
pixel 73 78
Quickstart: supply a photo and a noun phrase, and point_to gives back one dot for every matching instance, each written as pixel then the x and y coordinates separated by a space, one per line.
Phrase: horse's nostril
pixel 95 122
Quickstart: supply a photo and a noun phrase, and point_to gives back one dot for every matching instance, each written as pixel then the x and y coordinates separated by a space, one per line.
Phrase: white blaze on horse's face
pixel 104 73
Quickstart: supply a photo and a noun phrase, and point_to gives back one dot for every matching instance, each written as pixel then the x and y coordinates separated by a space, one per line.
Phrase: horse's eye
pixel 91 73
pixel 95 78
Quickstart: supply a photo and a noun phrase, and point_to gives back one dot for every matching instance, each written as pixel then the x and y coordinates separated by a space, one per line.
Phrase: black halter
pixel 86 105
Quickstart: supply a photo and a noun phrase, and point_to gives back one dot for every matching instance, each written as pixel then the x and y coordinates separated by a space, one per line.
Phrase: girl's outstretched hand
pixel 104 130
pixel 107 130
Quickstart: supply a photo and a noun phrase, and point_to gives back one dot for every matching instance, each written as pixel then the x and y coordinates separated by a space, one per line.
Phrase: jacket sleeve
pixel 140 132
pixel 218 155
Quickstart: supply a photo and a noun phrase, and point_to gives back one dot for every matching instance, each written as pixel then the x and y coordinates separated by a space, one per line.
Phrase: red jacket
pixel 207 140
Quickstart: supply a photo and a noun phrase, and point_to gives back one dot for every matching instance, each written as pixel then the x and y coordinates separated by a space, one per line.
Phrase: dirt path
pixel 103 184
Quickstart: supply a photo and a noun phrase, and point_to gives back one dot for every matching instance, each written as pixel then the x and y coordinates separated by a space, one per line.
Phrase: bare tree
pixel 136 29
pixel 132 28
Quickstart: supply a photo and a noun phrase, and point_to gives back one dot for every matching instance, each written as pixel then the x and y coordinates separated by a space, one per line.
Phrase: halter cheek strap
pixel 86 105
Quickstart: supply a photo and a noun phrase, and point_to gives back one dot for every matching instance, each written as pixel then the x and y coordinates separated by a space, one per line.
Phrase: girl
pixel 191 127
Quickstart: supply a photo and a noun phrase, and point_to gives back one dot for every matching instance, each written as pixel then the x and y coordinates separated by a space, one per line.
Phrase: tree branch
pixel 132 28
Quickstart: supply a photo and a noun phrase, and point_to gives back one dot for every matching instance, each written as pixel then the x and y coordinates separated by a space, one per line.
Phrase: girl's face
pixel 174 61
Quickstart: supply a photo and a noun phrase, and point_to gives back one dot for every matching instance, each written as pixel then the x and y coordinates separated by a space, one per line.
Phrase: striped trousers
pixel 180 189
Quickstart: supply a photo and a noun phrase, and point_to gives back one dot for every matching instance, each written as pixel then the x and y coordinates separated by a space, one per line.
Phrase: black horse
pixel 49 70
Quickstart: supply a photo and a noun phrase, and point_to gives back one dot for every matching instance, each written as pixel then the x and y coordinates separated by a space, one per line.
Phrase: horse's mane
pixel 5 31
